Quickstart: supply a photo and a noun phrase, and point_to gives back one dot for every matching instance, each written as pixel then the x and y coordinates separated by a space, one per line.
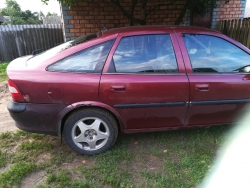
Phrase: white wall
pixel 247 10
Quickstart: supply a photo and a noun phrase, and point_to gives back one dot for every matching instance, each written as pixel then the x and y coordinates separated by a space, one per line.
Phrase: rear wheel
pixel 90 131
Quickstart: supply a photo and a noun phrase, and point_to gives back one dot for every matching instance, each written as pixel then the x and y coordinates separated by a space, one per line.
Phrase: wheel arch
pixel 85 105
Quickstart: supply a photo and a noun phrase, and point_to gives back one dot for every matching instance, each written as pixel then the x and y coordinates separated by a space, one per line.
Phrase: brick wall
pixel 233 10
pixel 82 18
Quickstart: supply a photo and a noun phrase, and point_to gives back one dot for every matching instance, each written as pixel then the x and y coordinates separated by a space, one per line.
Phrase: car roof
pixel 154 28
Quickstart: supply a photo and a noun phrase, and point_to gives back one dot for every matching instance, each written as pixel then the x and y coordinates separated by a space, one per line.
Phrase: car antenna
pixel 38 51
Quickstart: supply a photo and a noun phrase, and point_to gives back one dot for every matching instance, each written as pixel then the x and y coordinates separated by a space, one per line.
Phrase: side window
pixel 215 55
pixel 90 60
pixel 145 54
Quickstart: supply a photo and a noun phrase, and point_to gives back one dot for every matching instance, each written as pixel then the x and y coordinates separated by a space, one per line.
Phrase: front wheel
pixel 90 131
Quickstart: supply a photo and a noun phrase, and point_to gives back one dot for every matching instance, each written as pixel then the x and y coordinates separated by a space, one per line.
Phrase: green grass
pixel 14 175
pixel 3 74
pixel 164 159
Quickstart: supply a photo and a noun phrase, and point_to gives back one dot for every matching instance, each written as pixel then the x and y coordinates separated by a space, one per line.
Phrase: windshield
pixel 39 58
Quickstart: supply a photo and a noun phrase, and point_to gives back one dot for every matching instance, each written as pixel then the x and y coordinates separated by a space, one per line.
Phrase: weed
pixel 3 158
pixel 62 179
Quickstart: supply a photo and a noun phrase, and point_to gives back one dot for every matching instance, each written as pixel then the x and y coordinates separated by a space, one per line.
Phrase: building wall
pixel 247 10
pixel 82 18
pixel 235 9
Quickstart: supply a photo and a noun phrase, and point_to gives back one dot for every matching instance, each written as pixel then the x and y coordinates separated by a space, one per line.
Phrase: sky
pixel 36 6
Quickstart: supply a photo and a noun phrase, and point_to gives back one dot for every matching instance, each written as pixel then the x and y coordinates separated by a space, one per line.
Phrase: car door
pixel 144 80
pixel 218 69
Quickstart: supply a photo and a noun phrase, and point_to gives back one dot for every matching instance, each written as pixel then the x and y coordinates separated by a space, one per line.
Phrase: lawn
pixel 3 75
pixel 165 159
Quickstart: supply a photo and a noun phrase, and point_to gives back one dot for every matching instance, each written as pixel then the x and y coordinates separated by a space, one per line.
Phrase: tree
pixel 198 6
pixel 51 14
pixel 145 12
pixel 30 17
pixel 17 16
pixel 13 11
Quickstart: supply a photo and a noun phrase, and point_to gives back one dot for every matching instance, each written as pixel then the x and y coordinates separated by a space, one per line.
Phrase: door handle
pixel 201 87
pixel 247 77
pixel 118 88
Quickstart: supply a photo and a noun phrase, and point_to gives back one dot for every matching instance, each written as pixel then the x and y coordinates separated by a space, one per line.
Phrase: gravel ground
pixel 6 122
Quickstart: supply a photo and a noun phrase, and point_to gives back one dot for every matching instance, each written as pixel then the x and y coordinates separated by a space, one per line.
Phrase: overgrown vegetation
pixel 165 159
pixel 3 74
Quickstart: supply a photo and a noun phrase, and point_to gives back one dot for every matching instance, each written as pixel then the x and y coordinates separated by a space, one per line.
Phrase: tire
pixel 90 131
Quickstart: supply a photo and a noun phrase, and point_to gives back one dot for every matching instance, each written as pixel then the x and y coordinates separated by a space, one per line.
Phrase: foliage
pixel 51 14
pixel 17 16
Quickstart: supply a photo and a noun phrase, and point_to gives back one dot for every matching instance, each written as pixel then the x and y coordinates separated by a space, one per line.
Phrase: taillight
pixel 15 93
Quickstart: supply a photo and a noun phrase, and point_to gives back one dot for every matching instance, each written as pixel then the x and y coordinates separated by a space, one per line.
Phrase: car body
pixel 132 79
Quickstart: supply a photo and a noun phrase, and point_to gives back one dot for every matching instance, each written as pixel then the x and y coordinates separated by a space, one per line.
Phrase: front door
pixel 218 71
pixel 145 81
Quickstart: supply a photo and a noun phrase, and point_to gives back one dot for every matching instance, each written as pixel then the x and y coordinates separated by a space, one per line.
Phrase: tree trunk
pixel 183 13
pixel 143 12
pixel 132 8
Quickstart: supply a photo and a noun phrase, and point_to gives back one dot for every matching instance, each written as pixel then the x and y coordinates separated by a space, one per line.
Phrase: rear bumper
pixel 15 107
pixel 38 118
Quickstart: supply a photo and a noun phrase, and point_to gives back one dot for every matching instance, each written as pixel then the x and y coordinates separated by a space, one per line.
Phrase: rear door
pixel 218 69
pixel 144 80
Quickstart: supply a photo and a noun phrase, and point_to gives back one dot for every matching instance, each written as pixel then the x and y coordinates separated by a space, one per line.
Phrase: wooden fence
pixel 20 40
pixel 238 29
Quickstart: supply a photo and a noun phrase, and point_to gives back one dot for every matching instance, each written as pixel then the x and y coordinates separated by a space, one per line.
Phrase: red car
pixel 133 79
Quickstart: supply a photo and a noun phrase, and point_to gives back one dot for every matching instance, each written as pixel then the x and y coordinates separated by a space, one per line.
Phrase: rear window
pixel 90 60
pixel 39 58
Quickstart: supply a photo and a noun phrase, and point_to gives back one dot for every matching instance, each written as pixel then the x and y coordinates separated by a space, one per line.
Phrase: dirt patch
pixel 79 161
pixel 34 179
pixel 43 157
pixel 144 163
pixel 150 163
pixel 7 167
pixel 6 122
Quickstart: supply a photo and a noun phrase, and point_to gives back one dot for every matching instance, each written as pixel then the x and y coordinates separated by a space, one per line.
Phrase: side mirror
pixel 246 69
